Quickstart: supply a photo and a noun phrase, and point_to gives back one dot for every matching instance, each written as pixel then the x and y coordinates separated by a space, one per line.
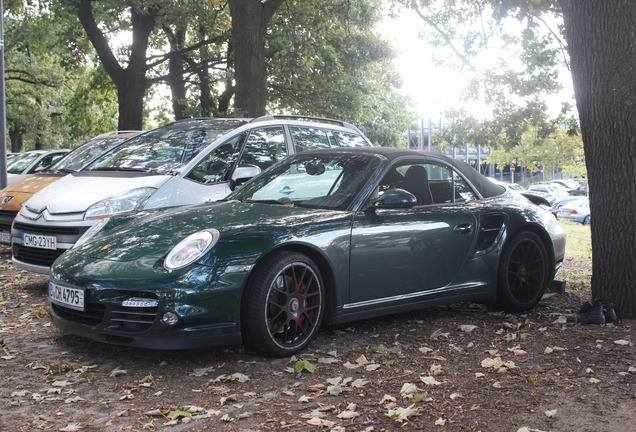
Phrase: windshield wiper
pixel 269 201
pixel 120 169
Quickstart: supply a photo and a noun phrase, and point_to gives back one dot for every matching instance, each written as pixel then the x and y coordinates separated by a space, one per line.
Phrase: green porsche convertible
pixel 323 236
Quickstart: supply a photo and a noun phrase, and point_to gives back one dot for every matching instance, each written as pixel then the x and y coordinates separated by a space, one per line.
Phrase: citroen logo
pixel 6 199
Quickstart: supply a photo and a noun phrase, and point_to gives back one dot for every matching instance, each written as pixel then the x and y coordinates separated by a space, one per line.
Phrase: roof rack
pixel 105 134
pixel 303 117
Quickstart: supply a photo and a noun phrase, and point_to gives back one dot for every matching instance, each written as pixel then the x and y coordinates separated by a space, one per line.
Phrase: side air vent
pixel 490 228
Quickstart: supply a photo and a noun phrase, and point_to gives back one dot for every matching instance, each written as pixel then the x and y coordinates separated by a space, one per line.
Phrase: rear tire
pixel 587 220
pixel 283 305
pixel 524 272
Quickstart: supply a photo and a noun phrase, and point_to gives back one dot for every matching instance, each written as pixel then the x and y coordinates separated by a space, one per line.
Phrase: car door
pixel 398 253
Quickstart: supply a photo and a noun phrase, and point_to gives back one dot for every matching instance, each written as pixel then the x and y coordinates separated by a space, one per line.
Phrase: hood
pixel 245 230
pixel 75 193
pixel 32 183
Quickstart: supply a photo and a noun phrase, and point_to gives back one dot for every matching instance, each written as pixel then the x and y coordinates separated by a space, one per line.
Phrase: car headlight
pixel 121 203
pixel 90 233
pixel 190 249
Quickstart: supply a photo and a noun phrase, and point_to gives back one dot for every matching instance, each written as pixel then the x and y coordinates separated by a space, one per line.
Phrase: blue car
pixel 576 211
pixel 565 202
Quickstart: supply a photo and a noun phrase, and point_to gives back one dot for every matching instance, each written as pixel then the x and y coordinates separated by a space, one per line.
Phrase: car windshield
pixel 21 162
pixel 328 181
pixel 165 149
pixel 86 153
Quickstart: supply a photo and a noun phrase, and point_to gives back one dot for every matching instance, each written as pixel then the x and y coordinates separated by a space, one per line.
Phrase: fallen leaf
pixel 116 372
pixel 467 328
pixel 551 413
pixel 621 342
pixel 440 422
pixel 429 380
pixel 320 422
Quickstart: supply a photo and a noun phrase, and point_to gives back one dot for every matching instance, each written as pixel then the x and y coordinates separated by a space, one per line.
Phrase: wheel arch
pixel 545 238
pixel 326 271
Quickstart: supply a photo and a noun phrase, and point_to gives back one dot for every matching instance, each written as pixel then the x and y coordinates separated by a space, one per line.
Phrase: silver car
pixel 576 211
pixel 24 164
pixel 185 162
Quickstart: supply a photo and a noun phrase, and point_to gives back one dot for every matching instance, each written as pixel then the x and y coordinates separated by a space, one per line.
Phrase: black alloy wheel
pixel 283 305
pixel 523 272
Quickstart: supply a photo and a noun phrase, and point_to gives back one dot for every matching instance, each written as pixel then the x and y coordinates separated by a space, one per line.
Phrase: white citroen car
pixel 185 162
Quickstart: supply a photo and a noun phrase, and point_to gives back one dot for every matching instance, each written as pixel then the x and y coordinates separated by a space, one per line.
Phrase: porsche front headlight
pixel 121 203
pixel 190 249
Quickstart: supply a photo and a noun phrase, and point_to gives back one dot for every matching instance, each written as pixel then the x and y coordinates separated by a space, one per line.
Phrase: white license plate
pixel 39 241
pixel 72 298
pixel 5 237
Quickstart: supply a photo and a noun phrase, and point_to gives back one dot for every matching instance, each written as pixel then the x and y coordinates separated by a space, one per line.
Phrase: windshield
pixel 329 181
pixel 85 154
pixel 167 148
pixel 21 162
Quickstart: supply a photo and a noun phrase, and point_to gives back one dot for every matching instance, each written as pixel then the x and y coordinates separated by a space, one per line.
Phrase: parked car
pixel 564 202
pixel 576 211
pixel 30 162
pixel 185 162
pixel 571 186
pixel 328 235
pixel 12 197
pixel 554 191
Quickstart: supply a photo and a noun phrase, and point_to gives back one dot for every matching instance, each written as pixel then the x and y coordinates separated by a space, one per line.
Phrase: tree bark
pixel 601 38
pixel 15 134
pixel 176 67
pixel 250 19
pixel 131 82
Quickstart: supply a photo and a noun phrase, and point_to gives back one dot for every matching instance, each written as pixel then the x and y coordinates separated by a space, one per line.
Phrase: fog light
pixel 139 302
pixel 169 318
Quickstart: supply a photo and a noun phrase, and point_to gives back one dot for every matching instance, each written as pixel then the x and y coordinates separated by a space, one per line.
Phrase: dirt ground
pixel 456 368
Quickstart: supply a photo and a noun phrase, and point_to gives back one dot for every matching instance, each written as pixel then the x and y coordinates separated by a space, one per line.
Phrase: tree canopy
pixel 120 57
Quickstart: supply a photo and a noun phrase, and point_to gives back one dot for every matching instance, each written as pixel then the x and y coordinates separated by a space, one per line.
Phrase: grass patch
pixel 579 243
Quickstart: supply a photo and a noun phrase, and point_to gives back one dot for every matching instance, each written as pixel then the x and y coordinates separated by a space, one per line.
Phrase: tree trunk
pixel 131 82
pixel 602 46
pixel 176 66
pixel 15 134
pixel 250 19
pixel 205 93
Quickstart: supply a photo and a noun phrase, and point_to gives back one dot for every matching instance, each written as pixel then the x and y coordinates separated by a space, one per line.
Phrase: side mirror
pixel 394 199
pixel 243 173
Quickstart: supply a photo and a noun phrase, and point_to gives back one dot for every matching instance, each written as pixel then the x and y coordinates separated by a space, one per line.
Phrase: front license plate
pixel 5 237
pixel 39 241
pixel 72 298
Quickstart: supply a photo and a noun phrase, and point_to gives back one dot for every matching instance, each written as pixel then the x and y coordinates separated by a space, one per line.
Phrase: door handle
pixel 466 228
pixel 286 190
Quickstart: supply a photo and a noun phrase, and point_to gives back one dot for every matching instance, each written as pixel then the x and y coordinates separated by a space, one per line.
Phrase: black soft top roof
pixel 485 187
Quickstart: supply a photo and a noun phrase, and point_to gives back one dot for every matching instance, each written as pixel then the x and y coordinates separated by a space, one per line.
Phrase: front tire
pixel 283 304
pixel 523 273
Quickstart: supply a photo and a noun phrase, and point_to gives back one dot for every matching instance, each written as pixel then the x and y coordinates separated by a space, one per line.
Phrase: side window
pixel 463 192
pixel 350 140
pixel 215 166
pixel 264 147
pixel 309 138
pixel 46 161
pixel 430 183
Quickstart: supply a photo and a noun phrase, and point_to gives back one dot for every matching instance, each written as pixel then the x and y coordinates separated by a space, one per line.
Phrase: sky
pixel 434 88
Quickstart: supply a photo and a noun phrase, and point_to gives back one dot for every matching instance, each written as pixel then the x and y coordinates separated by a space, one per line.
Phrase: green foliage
pixel 326 60
pixel 536 150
